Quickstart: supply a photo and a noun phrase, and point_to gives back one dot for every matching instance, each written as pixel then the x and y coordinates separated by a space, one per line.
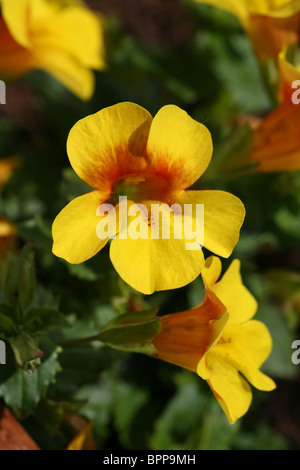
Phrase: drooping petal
pixel 239 301
pixel 178 147
pixel 74 230
pixel 109 144
pixel 150 264
pixel 229 387
pixel 223 217
pixel 186 336
pixel 66 69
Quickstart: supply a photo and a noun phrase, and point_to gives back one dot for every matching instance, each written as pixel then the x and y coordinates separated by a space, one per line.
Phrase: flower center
pixel 141 187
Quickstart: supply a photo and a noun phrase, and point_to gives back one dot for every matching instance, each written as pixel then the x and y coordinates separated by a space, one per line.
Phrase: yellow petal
pixel 244 8
pixel 211 271
pixel 66 69
pixel 246 347
pixel 223 217
pixel 15 15
pixel 148 264
pixel 84 440
pixel 240 303
pixel 230 389
pixel 178 147
pixel 76 31
pixel 75 229
pixel 109 144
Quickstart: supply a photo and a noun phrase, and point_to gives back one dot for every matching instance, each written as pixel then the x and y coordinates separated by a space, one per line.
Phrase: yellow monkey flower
pixel 64 39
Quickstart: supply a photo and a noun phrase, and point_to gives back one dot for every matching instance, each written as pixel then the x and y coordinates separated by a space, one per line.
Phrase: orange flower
pixel 8 237
pixel 186 336
pixel 271 25
pixel 7 167
pixel 276 144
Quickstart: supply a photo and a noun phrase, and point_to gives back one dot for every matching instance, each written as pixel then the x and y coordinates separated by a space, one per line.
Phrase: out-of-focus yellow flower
pixel 270 24
pixel 64 39
pixel 7 167
pixel 243 347
pixel 276 144
pixel 122 151
pixel 186 336
pixel 84 440
pixel 8 237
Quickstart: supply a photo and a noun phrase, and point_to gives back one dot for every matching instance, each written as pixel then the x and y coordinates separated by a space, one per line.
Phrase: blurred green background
pixel 158 53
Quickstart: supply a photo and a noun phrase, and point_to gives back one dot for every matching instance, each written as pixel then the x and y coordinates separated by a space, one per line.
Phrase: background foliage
pixel 199 59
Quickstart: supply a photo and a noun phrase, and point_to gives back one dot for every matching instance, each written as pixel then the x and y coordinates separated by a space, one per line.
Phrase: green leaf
pixel 22 390
pixel 132 332
pixel 19 283
pixel 40 320
pixel 7 325
pixel 25 349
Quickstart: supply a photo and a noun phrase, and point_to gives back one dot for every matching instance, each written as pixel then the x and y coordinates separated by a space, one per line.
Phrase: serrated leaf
pixel 132 332
pixel 25 349
pixel 22 390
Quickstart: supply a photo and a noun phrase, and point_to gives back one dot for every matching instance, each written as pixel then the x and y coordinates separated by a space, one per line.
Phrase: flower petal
pixel 75 229
pixel 240 303
pixel 246 347
pixel 211 271
pixel 148 264
pixel 15 15
pixel 178 147
pixel 109 144
pixel 223 217
pixel 229 387
pixel 61 33
pixel 67 70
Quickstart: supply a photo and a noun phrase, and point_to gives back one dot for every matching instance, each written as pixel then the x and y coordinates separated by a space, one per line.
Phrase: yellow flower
pixel 242 348
pixel 8 237
pixel 123 151
pixel 7 167
pixel 270 24
pixel 84 440
pixel 64 39
pixel 276 145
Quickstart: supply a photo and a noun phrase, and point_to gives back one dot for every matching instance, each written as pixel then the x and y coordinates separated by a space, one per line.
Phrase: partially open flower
pixel 186 336
pixel 65 39
pixel 271 25
pixel 234 362
pixel 276 145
